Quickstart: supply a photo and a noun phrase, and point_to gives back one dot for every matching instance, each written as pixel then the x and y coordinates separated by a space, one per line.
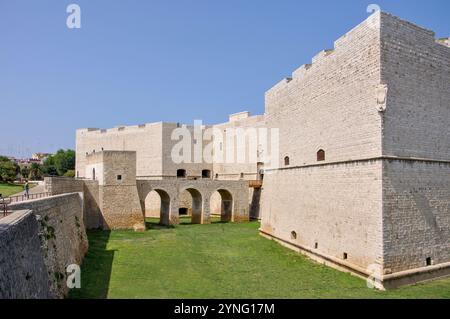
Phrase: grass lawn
pixel 216 261
pixel 10 189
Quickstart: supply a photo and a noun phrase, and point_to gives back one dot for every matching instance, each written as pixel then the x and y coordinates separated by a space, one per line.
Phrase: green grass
pixel 216 261
pixel 10 189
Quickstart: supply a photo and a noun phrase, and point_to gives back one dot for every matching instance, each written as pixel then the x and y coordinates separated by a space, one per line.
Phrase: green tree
pixel 59 163
pixel 49 168
pixel 25 172
pixel 8 170
pixel 35 172
pixel 70 173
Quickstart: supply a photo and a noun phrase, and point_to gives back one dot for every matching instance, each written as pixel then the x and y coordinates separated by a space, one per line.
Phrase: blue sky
pixel 139 61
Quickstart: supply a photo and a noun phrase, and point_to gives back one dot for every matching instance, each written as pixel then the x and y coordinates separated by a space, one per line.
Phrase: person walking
pixel 27 189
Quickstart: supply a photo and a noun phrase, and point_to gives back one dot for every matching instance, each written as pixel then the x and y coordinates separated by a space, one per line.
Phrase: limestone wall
pixel 62 185
pixel 92 213
pixel 416 214
pixel 23 273
pixel 60 230
pixel 145 139
pixel 331 104
pixel 193 168
pixel 91 201
pixel 333 207
pixel 336 207
pixel 416 188
pixel 416 70
pixel 250 145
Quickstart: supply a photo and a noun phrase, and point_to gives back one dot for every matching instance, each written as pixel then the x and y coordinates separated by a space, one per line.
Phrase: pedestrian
pixel 27 189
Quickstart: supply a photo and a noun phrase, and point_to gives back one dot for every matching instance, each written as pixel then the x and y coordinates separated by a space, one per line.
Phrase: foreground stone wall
pixel 62 235
pixel 23 273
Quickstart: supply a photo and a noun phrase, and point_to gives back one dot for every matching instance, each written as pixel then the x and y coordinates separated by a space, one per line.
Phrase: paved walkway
pixel 33 190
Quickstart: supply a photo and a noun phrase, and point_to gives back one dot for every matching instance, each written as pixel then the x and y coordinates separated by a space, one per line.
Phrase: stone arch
pixel 164 205
pixel 197 204
pixel 226 204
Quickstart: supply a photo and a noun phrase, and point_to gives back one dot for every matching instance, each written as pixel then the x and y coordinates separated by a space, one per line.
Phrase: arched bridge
pixel 234 198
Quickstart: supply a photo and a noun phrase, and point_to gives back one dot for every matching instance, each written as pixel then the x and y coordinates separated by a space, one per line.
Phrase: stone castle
pixel 361 181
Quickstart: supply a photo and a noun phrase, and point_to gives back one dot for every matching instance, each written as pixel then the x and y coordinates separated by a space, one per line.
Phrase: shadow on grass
pixel 96 268
pixel 152 223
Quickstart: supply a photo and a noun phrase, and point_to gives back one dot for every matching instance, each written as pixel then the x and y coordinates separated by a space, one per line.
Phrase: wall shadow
pixel 96 267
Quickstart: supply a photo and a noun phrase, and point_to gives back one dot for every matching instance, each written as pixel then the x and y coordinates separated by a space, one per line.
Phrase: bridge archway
pixel 196 205
pixel 221 203
pixel 157 205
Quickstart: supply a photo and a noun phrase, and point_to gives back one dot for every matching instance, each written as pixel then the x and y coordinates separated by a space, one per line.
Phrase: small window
pixel 429 261
pixel 320 155
pixel 119 177
pixel 286 161
pixel 242 175
pixel 293 235
pixel 206 173
pixel 345 256
pixel 93 174
pixel 181 173
pixel 316 245
pixel 182 211
pixel 217 176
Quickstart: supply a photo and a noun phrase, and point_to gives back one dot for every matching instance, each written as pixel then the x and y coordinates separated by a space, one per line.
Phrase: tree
pixel 25 172
pixel 35 172
pixel 8 170
pixel 70 173
pixel 59 163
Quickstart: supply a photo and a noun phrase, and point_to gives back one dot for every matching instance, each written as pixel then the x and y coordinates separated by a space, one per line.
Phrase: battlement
pixel 120 128
pixel 239 116
pixel 371 27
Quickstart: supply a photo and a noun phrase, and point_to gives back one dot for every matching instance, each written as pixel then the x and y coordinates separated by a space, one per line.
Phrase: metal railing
pixel 4 209
pixel 24 197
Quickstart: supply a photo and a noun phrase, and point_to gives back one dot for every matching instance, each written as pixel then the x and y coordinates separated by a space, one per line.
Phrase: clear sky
pixel 139 61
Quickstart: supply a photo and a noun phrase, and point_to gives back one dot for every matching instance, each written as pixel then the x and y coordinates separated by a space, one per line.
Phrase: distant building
pixel 40 156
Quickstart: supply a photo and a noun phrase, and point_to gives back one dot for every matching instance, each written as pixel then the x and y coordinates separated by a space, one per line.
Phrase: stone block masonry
pixel 23 273
pixel 378 196
pixel 52 236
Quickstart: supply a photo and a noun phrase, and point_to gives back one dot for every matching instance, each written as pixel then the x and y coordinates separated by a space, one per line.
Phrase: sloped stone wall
pixel 23 273
pixel 62 237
